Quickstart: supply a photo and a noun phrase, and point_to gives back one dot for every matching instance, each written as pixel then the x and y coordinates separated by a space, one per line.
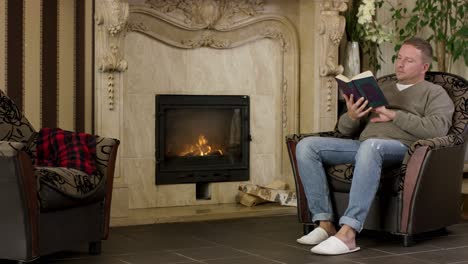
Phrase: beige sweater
pixel 423 110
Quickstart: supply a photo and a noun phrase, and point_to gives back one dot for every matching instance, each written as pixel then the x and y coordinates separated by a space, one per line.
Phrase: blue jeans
pixel 368 157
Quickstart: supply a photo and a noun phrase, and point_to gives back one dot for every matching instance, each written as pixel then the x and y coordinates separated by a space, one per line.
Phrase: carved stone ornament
pixel 332 27
pixel 284 102
pixel 111 20
pixel 207 40
pixel 277 34
pixel 210 14
pixel 331 31
pixel 155 23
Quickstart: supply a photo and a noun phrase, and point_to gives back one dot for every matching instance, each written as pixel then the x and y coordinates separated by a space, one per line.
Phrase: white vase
pixel 352 63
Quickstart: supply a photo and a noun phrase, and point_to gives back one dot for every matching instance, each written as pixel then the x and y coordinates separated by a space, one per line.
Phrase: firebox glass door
pixel 202 137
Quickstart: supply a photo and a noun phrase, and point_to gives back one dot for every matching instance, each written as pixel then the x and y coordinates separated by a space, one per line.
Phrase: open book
pixel 362 85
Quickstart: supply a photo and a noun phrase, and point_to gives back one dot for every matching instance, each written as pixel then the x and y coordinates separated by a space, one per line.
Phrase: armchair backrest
pixel 13 124
pixel 457 89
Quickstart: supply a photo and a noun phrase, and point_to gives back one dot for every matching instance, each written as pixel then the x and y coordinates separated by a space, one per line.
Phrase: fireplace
pixel 202 138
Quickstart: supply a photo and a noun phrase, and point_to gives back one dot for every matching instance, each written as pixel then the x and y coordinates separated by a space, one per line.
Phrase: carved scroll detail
pixel 209 14
pixel 111 22
pixel 139 26
pixel 277 34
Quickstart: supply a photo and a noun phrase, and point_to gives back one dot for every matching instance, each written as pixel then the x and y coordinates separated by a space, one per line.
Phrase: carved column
pixel 331 30
pixel 111 21
pixel 110 24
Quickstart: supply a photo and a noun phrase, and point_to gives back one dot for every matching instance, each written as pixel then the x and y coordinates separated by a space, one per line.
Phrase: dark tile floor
pixel 256 241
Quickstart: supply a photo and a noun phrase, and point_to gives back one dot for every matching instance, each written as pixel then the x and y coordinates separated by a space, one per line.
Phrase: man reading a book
pixel 416 109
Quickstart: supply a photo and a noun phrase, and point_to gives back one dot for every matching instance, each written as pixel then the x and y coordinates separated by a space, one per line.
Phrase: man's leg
pixel 372 156
pixel 311 154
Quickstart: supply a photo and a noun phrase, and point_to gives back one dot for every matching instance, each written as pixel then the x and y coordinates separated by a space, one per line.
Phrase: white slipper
pixel 315 237
pixel 333 246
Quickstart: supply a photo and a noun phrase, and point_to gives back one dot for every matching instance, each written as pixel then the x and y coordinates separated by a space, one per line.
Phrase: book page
pixel 363 75
pixel 343 78
pixel 356 77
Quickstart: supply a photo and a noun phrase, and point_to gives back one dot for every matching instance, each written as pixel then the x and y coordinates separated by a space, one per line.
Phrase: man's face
pixel 410 66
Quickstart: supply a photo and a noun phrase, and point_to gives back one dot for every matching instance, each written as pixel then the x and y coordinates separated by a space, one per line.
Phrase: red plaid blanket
pixel 61 148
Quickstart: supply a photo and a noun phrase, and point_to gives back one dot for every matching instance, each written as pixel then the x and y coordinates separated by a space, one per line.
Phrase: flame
pixel 201 148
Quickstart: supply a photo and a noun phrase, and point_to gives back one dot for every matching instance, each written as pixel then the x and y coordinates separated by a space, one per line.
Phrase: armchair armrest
pixel 106 155
pixel 10 148
pixel 105 148
pixel 18 202
pixel 438 142
pixel 428 165
pixel 426 145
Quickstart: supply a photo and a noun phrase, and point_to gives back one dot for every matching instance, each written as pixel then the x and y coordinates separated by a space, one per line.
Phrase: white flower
pixel 372 31
pixel 366 12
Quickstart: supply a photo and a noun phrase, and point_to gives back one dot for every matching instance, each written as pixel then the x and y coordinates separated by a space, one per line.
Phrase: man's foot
pixel 328 226
pixel 333 246
pixel 347 235
pixel 319 234
pixel 315 237
pixel 343 242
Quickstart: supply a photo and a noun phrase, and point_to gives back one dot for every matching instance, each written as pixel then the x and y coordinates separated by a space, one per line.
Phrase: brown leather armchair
pixel 49 209
pixel 423 194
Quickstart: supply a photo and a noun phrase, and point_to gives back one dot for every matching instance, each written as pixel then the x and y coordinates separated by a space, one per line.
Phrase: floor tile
pixel 87 260
pixel 261 240
pixel 444 256
pixel 392 260
pixel 211 253
pixel 243 260
pixel 160 257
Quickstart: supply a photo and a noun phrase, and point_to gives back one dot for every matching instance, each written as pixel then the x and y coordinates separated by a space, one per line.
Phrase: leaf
pixel 453 21
pixel 397 14
pixel 456 50
pixel 463 32
pixel 466 58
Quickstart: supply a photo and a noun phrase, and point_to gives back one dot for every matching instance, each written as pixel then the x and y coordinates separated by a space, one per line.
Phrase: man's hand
pixel 384 115
pixel 357 109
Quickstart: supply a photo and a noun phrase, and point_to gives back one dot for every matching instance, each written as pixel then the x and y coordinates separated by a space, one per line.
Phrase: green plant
pixel 362 26
pixel 352 27
pixel 448 22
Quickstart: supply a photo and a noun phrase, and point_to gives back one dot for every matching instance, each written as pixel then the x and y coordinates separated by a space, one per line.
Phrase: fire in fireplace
pixel 202 138
pixel 201 148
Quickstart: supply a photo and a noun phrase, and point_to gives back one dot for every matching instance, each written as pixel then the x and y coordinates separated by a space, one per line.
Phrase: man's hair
pixel 422 45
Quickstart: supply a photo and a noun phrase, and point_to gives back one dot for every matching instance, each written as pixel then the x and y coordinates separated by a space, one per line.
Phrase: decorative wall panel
pixel 46 63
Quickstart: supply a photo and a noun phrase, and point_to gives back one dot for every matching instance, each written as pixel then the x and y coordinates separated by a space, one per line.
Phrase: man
pixel 417 109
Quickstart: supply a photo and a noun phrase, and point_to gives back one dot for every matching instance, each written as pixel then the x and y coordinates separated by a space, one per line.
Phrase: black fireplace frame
pixel 208 173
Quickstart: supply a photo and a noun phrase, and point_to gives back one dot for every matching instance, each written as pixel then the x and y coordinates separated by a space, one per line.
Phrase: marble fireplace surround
pixel 192 44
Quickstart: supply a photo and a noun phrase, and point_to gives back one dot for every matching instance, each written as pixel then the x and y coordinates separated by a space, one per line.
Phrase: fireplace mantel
pixel 304 87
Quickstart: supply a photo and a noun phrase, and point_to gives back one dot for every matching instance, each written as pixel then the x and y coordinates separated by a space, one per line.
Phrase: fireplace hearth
pixel 202 138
